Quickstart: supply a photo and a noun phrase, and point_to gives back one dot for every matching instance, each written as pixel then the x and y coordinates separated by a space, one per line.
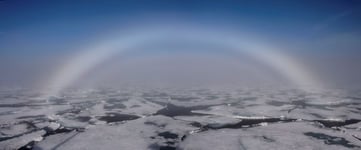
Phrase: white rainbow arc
pixel 98 53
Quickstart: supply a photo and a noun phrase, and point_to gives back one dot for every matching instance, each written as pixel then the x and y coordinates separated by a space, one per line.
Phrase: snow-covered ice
pixel 190 119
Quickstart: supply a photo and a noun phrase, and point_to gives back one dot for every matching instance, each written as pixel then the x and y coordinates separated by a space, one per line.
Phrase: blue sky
pixel 45 27
pixel 34 32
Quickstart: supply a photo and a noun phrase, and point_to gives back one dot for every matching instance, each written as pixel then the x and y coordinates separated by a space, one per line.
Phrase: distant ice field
pixel 181 119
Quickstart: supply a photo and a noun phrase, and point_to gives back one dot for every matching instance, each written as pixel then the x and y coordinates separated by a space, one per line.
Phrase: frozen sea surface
pixel 190 119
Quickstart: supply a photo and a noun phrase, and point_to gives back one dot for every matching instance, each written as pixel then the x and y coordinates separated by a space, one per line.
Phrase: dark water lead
pixel 337 123
pixel 116 117
pixel 83 118
pixel 172 110
pixel 168 135
pixel 29 117
pixel 162 147
pixel 114 106
pixel 331 140
pixel 167 148
pixel 247 123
